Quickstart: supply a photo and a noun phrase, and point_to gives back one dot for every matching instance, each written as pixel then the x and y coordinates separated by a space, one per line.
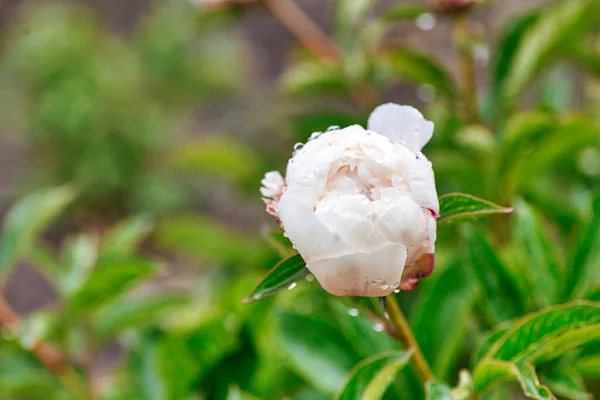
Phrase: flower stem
pixel 406 336
pixel 462 37
pixel 47 355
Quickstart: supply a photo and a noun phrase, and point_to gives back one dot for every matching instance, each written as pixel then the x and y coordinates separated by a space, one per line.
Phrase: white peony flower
pixel 360 206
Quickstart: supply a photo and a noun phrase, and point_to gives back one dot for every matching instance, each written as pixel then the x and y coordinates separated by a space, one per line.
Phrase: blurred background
pixel 133 138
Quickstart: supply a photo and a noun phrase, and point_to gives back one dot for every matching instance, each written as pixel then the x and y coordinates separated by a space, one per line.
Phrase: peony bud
pixel 361 205
pixel 452 6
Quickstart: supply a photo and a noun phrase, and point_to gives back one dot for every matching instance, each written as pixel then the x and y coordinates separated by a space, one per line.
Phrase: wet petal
pixel 361 274
pixel 401 124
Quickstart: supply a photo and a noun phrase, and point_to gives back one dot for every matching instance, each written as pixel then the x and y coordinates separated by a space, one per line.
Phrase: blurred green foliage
pixel 119 214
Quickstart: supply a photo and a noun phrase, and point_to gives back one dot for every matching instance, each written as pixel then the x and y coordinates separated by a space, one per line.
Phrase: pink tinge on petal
pixel 413 272
pixel 271 207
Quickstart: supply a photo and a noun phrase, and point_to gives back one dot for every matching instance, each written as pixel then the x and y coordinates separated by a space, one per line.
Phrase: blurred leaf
pixel 458 207
pixel 167 369
pixel 405 12
pixel 313 77
pixel 81 253
pixel 207 239
pixel 221 157
pixel 542 268
pixel 556 24
pixel 348 16
pixel 110 279
pixel 496 371
pixel 136 313
pixel 236 394
pixel 317 351
pixel 497 281
pixel 127 235
pixel 537 338
pixel 584 258
pixel 370 378
pixel 27 218
pixel 508 46
pixel 418 68
pixel 21 376
pixel 565 382
pixel 588 367
pixel 287 272
pixel 439 317
pixel 439 391
pixel 358 329
pixel 584 56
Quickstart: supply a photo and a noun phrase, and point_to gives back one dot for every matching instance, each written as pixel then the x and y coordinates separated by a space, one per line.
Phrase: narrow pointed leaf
pixel 538 338
pixel 458 207
pixel 567 383
pixel 281 276
pixel 371 377
pixel 542 267
pixel 127 235
pixel 27 218
pixel 496 372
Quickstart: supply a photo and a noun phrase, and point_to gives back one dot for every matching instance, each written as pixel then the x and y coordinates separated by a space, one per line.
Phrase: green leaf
pixel 542 267
pixel 499 285
pixel 537 338
pixel 405 12
pixel 507 47
pixel 348 16
pixel 136 313
pixel 81 253
pixel 127 235
pixel 313 77
pixel 584 258
pixel 588 367
pixel 110 279
pixel 166 368
pixel 458 207
pixel 439 391
pixel 317 351
pixel 235 393
pixel 222 157
pixel 28 218
pixel 417 68
pixel 555 24
pixel 287 272
pixel 567 383
pixel 495 372
pixel 444 302
pixel 370 379
pixel 357 326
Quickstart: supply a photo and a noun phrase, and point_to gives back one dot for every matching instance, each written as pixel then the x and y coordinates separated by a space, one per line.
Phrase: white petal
pixel 272 185
pixel 361 274
pixel 422 183
pixel 309 235
pixel 401 124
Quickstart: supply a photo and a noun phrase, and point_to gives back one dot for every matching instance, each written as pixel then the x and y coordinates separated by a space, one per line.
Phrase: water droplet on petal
pixel 315 135
pixel 426 22
pixel 292 286
pixel 395 284
pixel 298 146
pixel 373 283
pixel 378 327
pixel 353 312
pixel 333 128
pixel 384 285
pixel 397 291
pixel 310 174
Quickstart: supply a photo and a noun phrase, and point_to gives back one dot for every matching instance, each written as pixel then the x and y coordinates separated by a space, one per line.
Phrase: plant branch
pixel 307 32
pixel 406 336
pixel 318 42
pixel 46 354
pixel 462 38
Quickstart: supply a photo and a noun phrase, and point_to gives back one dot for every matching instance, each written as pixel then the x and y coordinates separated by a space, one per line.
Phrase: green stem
pixel 405 334
pixel 462 38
